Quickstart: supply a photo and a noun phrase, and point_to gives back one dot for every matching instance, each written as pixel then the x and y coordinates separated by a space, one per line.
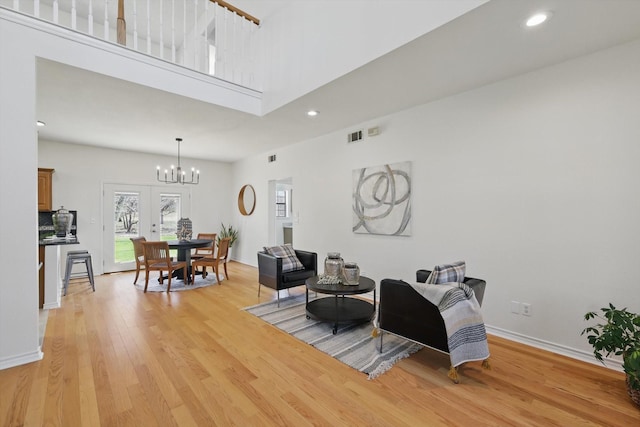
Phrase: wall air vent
pixel 354 136
pixel 272 158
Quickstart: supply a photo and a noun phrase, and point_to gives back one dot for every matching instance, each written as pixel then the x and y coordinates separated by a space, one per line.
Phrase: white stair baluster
pixel 148 28
pixel 215 39
pixel 90 18
pixel 195 35
pixel 184 31
pixel 16 5
pixel 36 8
pixel 206 38
pixel 225 41
pixel 234 46
pixel 173 31
pixel 135 26
pixel 241 48
pixel 73 14
pixel 161 31
pixel 106 20
pixel 55 11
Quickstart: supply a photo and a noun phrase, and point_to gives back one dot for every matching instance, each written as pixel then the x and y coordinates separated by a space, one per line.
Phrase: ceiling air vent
pixel 272 158
pixel 354 136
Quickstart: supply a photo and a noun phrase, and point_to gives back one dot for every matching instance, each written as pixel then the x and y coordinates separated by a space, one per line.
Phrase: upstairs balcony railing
pixel 211 37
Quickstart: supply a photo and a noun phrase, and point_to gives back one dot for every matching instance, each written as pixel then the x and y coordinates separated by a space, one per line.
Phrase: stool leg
pixel 67 274
pixel 89 265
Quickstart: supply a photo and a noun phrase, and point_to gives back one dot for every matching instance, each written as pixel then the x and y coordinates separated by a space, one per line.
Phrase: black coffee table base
pixel 340 309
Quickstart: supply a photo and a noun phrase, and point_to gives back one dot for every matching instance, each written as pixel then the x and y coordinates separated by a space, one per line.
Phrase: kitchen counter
pixel 50 283
pixel 58 241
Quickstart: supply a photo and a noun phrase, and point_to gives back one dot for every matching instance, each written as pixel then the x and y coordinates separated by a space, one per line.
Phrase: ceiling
pixel 486 45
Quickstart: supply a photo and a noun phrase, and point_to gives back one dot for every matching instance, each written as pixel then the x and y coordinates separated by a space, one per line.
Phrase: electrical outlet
pixel 515 307
pixel 526 309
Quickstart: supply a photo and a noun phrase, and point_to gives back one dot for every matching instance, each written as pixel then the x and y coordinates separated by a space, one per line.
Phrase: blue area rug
pixel 353 344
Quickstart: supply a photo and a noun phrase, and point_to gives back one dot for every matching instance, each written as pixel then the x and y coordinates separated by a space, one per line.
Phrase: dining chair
pixel 207 251
pixel 214 262
pixel 138 253
pixel 157 257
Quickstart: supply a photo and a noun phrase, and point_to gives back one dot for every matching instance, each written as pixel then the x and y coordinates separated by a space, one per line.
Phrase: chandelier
pixel 178 176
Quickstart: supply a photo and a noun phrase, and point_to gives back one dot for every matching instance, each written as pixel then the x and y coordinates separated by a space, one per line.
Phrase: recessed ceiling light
pixel 40 124
pixel 312 113
pixel 537 19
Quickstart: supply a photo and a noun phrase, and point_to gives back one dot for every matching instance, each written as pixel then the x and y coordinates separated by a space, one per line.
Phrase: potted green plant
pixel 618 334
pixel 228 232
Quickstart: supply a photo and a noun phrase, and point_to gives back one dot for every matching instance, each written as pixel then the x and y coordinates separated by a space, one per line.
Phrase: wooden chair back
pixel 157 257
pixel 223 248
pixel 138 252
pixel 207 250
pixel 156 254
pixel 223 251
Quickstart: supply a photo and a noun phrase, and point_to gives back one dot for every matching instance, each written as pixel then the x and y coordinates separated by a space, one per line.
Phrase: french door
pixel 134 211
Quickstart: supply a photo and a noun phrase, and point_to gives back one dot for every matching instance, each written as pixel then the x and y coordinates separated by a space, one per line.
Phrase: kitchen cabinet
pixel 45 177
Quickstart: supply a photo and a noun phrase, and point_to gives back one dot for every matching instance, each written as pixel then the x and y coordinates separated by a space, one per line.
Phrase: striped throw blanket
pixel 462 318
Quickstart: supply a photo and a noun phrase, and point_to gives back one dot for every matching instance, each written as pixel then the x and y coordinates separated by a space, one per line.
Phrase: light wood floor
pixel 121 357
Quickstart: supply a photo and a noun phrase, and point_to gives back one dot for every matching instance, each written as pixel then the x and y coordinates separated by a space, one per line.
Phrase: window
pixel 281 203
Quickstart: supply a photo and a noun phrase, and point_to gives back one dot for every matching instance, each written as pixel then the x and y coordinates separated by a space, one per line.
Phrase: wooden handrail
pixel 232 8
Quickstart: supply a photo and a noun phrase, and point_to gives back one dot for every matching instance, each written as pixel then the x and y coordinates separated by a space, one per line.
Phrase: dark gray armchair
pixel 270 271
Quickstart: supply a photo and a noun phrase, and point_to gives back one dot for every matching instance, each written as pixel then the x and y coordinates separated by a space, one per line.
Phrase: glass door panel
pixel 126 225
pixel 139 211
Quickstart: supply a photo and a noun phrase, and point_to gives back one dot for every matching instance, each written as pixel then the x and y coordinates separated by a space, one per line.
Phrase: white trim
pixel 21 359
pixel 116 49
pixel 554 348
pixel 51 305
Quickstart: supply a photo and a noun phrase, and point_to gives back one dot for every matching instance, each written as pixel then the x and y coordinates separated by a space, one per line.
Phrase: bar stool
pixel 77 257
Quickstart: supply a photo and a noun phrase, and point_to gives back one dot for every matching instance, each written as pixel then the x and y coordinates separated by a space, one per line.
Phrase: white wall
pixel 19 155
pixel 533 181
pixel 81 171
pixel 302 54
pixel 18 204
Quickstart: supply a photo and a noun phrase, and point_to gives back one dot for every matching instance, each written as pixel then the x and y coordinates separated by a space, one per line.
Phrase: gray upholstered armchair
pixel 270 271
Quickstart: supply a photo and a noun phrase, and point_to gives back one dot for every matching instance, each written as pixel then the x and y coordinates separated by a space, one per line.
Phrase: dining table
pixel 184 253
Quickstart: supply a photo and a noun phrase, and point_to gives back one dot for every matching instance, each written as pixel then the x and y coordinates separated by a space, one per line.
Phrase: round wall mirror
pixel 247 200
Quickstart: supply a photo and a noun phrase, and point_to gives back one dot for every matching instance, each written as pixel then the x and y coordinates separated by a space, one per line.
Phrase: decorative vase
pixel 351 273
pixel 185 229
pixel 333 264
pixel 62 220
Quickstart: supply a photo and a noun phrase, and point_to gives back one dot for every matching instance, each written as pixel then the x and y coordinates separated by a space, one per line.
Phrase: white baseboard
pixel 21 359
pixel 554 348
pixel 51 305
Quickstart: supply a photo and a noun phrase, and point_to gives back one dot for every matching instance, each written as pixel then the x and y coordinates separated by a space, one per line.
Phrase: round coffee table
pixel 341 308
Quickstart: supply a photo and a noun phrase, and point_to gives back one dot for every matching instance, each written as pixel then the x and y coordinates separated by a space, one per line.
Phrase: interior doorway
pixel 281 222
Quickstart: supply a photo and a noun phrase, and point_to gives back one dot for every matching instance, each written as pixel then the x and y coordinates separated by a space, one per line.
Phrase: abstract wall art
pixel 382 199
